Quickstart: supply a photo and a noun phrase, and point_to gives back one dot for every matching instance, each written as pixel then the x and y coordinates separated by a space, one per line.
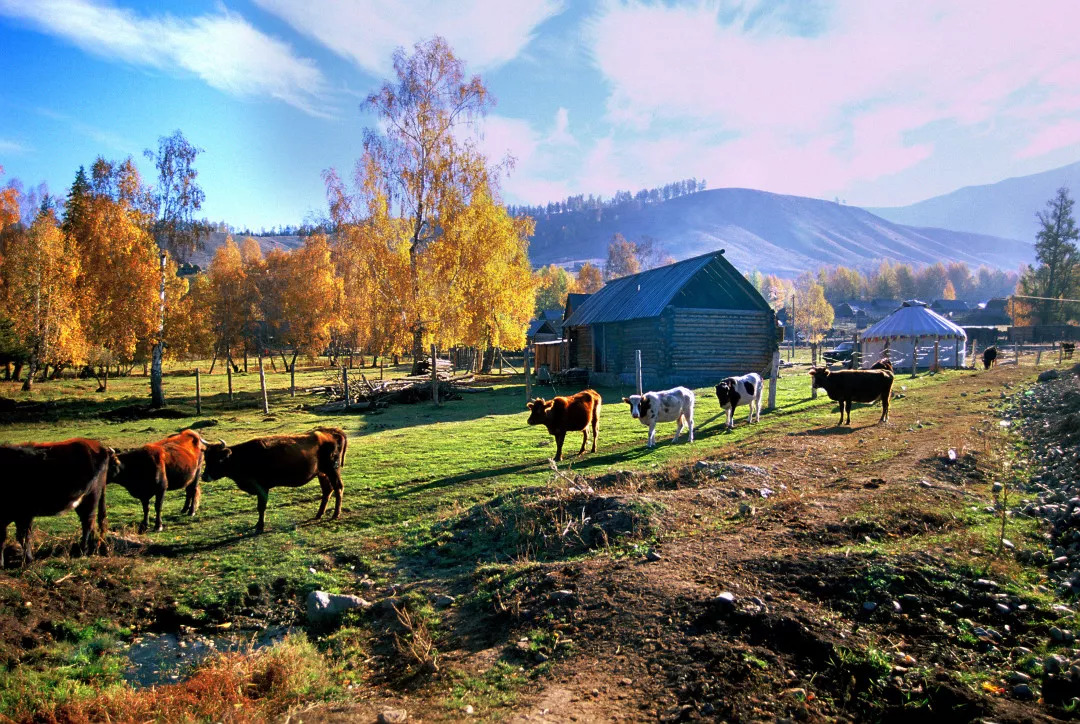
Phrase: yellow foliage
pixel 302 296
pixel 589 279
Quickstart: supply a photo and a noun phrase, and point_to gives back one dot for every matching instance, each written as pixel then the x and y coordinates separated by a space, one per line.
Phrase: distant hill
pixel 769 232
pixel 266 243
pixel 1006 208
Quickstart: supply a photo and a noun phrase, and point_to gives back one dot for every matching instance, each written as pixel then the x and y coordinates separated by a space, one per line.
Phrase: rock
pixel 896 607
pixel 725 601
pixel 1054 664
pixel 652 556
pixel 1002 608
pixel 444 601
pixel 626 682
pixel 564 598
pixel 1022 691
pixel 540 657
pixel 1019 677
pixel 323 607
pixel 869 606
pixel 469 709
pixel 997 488
pixel 1056 634
pixel 1049 375
pixel 909 601
pixel 393 716
pixel 746 509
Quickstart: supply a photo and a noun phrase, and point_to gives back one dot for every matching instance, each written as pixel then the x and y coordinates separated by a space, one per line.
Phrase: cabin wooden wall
pixel 707 345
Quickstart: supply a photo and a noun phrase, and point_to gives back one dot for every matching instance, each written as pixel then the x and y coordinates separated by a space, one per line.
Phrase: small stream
pixel 166 658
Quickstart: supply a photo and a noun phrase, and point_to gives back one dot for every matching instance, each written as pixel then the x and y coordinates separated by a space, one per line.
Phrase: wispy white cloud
pixel 1063 133
pixel 540 156
pixel 487 33
pixel 222 49
pixel 854 96
pixel 14 148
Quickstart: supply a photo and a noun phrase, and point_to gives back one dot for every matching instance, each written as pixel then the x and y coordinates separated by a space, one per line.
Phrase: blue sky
pixel 878 103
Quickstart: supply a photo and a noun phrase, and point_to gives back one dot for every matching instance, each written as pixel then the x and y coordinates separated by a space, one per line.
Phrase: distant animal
pixel 883 364
pixel 47 479
pixel 1068 348
pixel 674 405
pixel 990 355
pixel 170 464
pixel 258 465
pixel 561 415
pixel 848 386
pixel 744 390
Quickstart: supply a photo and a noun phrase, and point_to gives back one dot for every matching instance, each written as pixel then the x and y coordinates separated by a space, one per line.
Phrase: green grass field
pixel 410 468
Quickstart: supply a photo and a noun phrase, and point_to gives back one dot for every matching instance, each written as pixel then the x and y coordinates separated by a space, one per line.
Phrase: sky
pixel 879 103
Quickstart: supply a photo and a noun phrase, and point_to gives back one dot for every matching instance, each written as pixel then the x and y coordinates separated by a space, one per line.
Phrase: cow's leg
pixel 194 492
pixel 595 425
pixel 849 404
pixel 261 494
pixel 145 515
pixel 885 407
pixel 339 490
pixel 731 418
pixel 324 483
pixel 102 521
pixel 23 529
pixel 678 428
pixel 652 436
pixel 86 511
pixel 690 420
pixel 841 413
pixel 559 437
pixel 159 498
pixel 584 439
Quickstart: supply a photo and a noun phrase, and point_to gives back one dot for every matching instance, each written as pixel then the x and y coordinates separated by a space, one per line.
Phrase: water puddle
pixel 166 658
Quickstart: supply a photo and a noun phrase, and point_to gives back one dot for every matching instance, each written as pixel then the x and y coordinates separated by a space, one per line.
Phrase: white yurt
pixel 914 328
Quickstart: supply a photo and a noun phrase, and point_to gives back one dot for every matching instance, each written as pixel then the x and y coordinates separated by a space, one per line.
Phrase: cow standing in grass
pixel 49 478
pixel 170 464
pixel 744 390
pixel 258 465
pixel 989 356
pixel 674 405
pixel 848 386
pixel 568 414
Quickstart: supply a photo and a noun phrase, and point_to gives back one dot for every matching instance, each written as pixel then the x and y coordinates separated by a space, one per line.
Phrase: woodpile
pixel 365 394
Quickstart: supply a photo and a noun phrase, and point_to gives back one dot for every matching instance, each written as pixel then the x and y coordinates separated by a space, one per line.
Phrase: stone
pixel 997 488
pixel 725 601
pixel 869 606
pixel 1049 375
pixel 1002 608
pixel 565 598
pixel 1056 634
pixel 652 556
pixel 323 607
pixel 1019 677
pixel 444 601
pixel 1054 664
pixel 469 709
pixel 1022 691
pixel 393 716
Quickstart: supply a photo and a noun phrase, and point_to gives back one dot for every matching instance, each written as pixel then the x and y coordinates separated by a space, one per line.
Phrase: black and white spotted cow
pixel 744 390
pixel 674 405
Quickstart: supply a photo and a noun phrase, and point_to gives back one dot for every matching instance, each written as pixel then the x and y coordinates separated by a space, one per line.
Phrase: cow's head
pixel 539 410
pixel 818 376
pixel 726 394
pixel 115 466
pixel 639 406
pixel 217 453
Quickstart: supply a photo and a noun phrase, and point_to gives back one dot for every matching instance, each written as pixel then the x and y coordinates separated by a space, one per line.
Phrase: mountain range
pixel 992 224
pixel 1006 208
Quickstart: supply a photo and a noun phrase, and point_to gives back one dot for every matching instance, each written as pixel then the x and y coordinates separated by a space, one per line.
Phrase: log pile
pixel 367 394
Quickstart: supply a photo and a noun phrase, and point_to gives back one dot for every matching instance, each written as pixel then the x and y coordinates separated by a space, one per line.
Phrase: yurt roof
pixel 913 319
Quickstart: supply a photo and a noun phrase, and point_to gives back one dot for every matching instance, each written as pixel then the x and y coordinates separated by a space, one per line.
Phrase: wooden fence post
pixel 637 368
pixel 1038 358
pixel 974 344
pixel 198 392
pixel 498 351
pixel 914 355
pixel 528 379
pixel 345 386
pixel 856 355
pixel 434 377
pixel 1061 352
pixel 292 379
pixel 1016 353
pixel 382 363
pixel 936 344
pixel 228 373
pixel 262 384
pixel 956 353
pixel 773 374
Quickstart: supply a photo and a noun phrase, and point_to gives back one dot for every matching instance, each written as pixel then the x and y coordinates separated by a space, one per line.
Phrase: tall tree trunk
pixel 157 390
pixel 30 372
pixel 489 360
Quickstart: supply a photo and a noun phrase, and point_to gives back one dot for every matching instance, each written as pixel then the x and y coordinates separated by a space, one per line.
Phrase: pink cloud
pixel 1061 134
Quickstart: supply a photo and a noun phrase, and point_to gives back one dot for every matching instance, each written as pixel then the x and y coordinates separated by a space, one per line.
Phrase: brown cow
pixel 568 414
pixel 49 478
pixel 990 355
pixel 848 386
pixel 883 364
pixel 170 464
pixel 290 460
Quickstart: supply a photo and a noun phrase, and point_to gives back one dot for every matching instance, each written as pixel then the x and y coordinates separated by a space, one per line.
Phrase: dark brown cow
pixel 848 386
pixel 883 364
pixel 1068 348
pixel 290 460
pixel 561 415
pixel 170 464
pixel 990 355
pixel 49 478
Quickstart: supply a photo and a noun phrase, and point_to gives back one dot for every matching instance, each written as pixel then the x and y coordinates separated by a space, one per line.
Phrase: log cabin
pixel 696 322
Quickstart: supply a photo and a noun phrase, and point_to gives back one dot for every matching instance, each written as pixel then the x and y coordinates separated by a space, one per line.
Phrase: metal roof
pixel 639 296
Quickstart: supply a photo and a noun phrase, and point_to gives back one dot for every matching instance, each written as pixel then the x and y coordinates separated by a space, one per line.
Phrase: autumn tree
pixel 177 197
pixel 950 291
pixel 301 296
pixel 844 284
pixel 813 314
pixel 418 149
pixel 230 299
pixel 622 258
pixel 589 279
pixel 189 318
pixel 930 282
pixel 120 276
pixel 42 269
pixel 1057 275
pixel 554 283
